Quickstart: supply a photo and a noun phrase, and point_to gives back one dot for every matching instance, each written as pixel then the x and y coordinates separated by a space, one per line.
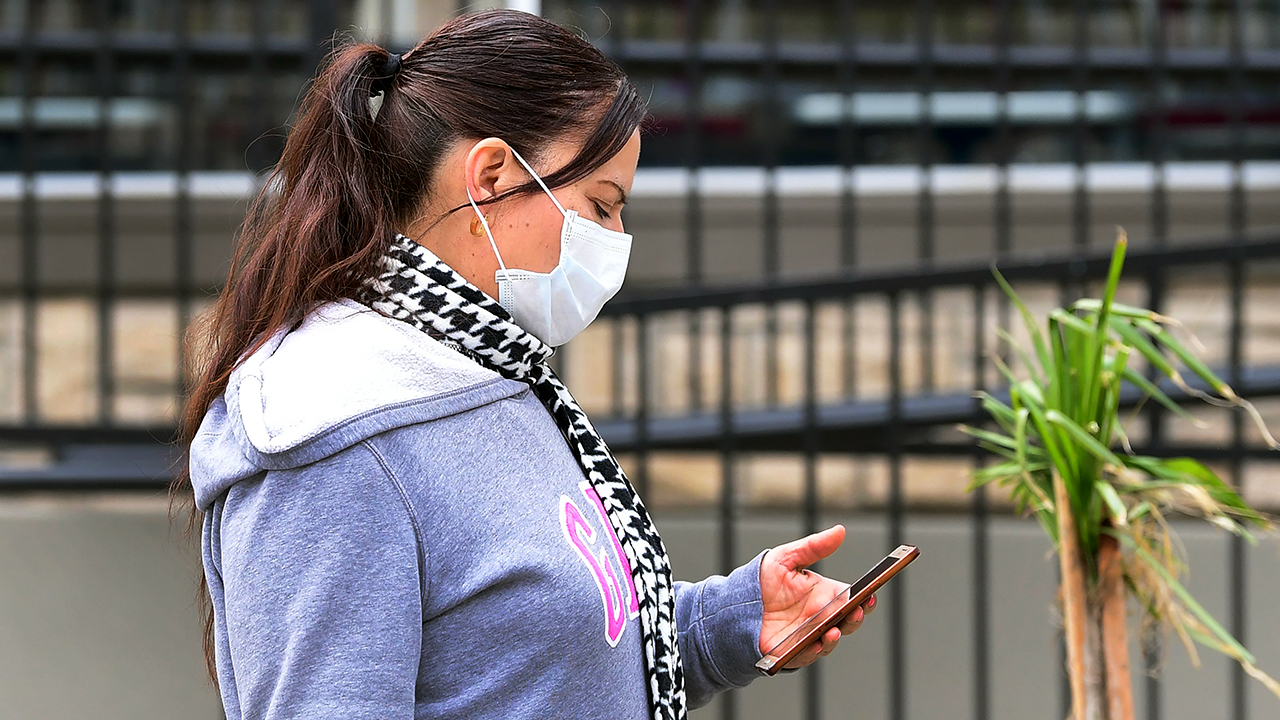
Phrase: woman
pixel 404 513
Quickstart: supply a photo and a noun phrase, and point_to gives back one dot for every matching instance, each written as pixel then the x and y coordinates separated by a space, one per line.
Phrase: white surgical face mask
pixel 557 305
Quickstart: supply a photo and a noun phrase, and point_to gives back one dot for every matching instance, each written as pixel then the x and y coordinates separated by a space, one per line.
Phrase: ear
pixel 488 168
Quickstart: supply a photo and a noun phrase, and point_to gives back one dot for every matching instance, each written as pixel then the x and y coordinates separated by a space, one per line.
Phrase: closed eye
pixel 604 214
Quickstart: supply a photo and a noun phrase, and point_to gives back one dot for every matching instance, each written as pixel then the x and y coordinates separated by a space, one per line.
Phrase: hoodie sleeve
pixel 322 579
pixel 718 621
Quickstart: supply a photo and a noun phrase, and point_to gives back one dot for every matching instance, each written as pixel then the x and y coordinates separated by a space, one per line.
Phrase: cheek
pixel 532 235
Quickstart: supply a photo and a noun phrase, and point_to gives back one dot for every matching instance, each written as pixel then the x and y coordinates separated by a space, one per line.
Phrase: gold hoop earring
pixel 476 228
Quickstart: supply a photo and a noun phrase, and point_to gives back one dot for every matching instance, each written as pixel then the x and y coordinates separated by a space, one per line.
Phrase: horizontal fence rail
pixel 776 424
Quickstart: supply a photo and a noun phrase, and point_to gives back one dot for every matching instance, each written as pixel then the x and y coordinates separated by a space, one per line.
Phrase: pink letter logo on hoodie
pixel 620 602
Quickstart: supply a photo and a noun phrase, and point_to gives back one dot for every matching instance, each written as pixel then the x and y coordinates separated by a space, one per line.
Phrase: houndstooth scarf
pixel 420 289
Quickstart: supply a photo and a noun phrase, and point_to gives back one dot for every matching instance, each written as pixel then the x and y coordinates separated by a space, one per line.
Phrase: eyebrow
pixel 621 192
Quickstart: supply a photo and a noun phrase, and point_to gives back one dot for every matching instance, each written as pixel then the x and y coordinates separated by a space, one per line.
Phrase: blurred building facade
pixel 1170 68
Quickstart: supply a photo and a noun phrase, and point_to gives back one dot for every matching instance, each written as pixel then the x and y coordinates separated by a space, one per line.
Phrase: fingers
pixel 853 621
pixel 855 618
pixel 818 648
pixel 806 551
pixel 827 643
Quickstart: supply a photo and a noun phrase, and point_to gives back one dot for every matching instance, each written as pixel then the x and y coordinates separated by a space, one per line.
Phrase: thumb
pixel 806 551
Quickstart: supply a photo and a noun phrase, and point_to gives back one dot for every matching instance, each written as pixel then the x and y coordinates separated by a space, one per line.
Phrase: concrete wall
pixel 97 618
pixel 97 614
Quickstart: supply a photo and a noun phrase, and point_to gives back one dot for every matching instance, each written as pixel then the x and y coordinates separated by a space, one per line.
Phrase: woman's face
pixel 526 228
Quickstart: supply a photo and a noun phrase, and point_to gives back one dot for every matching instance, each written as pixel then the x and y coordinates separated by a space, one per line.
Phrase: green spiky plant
pixel 1064 457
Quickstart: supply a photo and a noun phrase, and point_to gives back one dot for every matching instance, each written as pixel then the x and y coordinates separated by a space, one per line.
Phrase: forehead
pixel 621 168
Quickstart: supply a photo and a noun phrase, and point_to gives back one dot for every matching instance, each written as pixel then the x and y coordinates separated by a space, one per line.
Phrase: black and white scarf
pixel 418 288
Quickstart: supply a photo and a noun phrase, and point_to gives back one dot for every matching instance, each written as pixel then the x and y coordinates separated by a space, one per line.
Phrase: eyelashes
pixel 600 211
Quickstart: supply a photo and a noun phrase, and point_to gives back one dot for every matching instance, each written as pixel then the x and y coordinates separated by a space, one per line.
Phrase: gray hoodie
pixel 393 531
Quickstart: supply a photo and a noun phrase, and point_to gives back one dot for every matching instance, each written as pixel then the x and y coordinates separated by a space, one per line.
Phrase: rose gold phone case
pixel 837 610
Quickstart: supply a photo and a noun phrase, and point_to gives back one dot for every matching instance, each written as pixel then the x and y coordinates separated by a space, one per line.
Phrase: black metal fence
pixel 899 419
pixel 899 422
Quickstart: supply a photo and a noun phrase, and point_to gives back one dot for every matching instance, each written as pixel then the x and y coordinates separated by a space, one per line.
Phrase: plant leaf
pixel 1093 305
pixel 992 437
pixel 1113 501
pixel 1033 329
pixel 1023 357
pixel 1138 341
pixel 1083 437
pixel 1185 469
pixel 1150 390
pixel 1020 437
pixel 1093 367
pixel 1002 413
pixel 1201 614
pixel 1188 358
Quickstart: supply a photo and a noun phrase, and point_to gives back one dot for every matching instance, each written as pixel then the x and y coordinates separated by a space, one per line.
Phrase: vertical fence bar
pixel 182 226
pixel 1159 186
pixel 1152 652
pixel 616 395
pixel 728 462
pixel 30 229
pixel 259 155
pixel 1159 77
pixel 321 25
pixel 1239 223
pixel 1074 286
pixel 1080 125
pixel 812 507
pixel 106 79
pixel 616 11
pixel 616 39
pixel 847 87
pixel 640 477
pixel 1152 640
pixel 1003 210
pixel 1238 586
pixel 980 520
pixel 769 80
pixel 385 22
pixel 1002 219
pixel 897 609
pixel 924 201
pixel 693 72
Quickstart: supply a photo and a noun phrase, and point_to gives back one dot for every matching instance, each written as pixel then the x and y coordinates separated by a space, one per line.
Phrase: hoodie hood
pixel 344 374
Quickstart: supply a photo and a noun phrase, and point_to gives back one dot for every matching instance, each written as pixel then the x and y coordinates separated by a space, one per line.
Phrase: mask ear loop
pixel 539 180
pixel 487 232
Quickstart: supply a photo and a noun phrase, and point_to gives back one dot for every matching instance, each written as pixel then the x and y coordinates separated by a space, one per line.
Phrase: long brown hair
pixel 350 177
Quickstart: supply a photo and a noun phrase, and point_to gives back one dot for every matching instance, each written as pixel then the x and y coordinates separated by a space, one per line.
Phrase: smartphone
pixel 837 610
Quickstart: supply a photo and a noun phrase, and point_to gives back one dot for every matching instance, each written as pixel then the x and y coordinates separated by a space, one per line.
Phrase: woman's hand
pixel 791 594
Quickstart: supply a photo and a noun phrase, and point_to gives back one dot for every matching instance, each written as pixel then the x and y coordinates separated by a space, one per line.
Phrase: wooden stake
pixel 1073 597
pixel 1112 595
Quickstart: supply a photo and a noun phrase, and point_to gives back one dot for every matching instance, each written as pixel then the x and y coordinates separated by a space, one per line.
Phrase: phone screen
pixel 866 580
